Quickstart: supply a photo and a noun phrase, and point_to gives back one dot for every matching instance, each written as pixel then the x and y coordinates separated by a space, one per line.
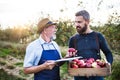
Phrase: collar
pixel 42 41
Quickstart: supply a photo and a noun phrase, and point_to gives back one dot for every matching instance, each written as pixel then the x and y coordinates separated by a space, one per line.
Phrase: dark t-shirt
pixel 89 45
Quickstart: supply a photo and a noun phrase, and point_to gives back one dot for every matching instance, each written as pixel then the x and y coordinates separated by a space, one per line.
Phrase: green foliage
pixel 63 50
pixel 64 73
pixel 15 34
pixel 63 69
pixel 112 35
pixel 115 71
pixel 64 32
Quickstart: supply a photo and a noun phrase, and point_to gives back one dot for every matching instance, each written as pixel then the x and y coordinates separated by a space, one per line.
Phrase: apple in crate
pixel 90 60
pixel 81 63
pixel 88 65
pixel 95 65
pixel 76 63
pixel 101 63
pixel 73 64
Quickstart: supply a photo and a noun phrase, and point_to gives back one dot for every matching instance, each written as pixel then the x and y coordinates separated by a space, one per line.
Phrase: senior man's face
pixel 51 31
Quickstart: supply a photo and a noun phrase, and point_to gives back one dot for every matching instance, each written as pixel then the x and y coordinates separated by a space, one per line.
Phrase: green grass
pixel 22 74
pixel 64 72
pixel 20 64
pixel 5 76
pixel 2 63
pixel 4 52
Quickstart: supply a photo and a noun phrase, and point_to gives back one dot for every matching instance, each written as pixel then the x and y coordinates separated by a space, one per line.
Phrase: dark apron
pixel 48 74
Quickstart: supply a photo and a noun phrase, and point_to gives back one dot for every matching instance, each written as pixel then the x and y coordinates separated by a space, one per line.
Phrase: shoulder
pixel 101 37
pixel 99 33
pixel 74 36
pixel 33 44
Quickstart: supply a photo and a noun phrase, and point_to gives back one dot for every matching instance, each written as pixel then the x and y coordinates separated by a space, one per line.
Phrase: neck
pixel 45 38
pixel 88 30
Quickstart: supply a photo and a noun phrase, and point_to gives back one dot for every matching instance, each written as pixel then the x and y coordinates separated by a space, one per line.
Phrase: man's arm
pixel 105 48
pixel 34 69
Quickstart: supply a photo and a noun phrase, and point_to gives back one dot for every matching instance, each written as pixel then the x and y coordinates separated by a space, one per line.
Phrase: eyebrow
pixel 78 21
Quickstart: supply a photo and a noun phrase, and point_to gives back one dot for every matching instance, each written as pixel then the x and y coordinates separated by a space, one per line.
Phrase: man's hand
pixel 71 52
pixel 49 64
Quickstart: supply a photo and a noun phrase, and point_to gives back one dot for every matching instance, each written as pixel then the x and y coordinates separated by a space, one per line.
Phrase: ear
pixel 87 21
pixel 44 30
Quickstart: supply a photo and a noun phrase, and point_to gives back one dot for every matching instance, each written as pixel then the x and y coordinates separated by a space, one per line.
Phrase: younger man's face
pixel 81 24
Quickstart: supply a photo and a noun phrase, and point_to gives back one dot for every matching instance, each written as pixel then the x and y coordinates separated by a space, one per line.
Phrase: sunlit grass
pixel 4 52
pixel 2 62
pixel 20 64
pixel 5 76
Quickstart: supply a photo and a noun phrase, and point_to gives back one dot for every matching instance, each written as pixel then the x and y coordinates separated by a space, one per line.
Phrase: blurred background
pixel 18 20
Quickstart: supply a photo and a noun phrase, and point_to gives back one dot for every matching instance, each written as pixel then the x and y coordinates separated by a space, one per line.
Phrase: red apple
pixel 82 65
pixel 74 66
pixel 94 65
pixel 80 62
pixel 88 65
pixel 98 66
pixel 73 62
pixel 76 60
pixel 71 50
pixel 101 63
pixel 90 60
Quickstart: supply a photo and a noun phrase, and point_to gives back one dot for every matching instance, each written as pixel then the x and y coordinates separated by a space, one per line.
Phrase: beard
pixel 82 30
pixel 53 37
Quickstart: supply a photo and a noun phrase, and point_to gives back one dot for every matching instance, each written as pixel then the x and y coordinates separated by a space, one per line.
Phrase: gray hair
pixel 83 13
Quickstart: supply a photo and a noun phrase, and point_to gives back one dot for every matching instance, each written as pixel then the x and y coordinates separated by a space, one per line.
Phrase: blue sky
pixel 19 12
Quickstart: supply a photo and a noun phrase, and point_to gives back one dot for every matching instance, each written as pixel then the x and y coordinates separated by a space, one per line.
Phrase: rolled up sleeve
pixel 29 57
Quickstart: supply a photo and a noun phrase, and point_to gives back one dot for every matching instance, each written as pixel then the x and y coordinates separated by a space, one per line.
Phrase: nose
pixel 77 24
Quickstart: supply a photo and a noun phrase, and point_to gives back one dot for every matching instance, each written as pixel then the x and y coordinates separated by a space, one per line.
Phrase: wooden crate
pixel 90 71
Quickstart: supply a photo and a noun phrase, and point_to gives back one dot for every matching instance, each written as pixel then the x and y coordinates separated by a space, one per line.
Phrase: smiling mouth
pixel 78 27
